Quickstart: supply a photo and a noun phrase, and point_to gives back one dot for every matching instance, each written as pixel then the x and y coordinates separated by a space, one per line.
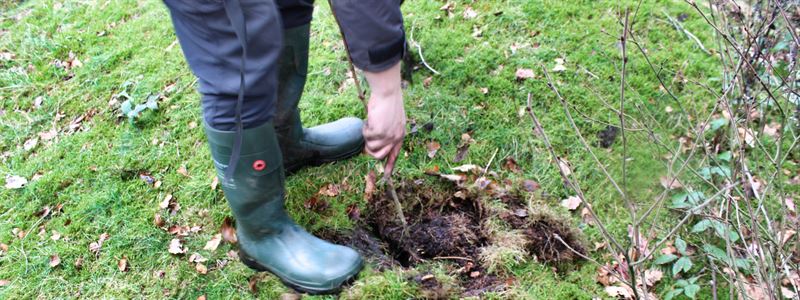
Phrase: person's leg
pixel 269 240
pixel 306 146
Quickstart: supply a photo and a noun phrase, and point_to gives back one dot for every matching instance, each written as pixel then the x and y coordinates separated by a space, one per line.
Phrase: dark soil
pixel 439 224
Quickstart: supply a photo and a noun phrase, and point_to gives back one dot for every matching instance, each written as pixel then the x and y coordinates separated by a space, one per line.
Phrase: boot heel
pixel 250 262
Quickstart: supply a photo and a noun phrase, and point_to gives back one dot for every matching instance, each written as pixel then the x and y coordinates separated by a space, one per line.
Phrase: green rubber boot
pixel 269 240
pixel 307 146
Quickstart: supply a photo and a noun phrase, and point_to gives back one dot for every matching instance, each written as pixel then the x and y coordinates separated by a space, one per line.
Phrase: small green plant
pixel 687 287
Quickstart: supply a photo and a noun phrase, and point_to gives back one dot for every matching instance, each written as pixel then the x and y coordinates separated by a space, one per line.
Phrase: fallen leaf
pixel 79 263
pixel 523 74
pixel 201 268
pixel 252 283
pixel 453 177
pixel 3 247
pixel 197 258
pixel 620 291
pixel 182 170
pixel 353 212
pixel 530 185
pixel 19 233
pixel 653 276
pixel 564 165
pixel 600 245
pixel 433 147
pixel 469 13
pixel 586 216
pixel 122 264
pixel 157 220
pixel 316 204
pixel 48 135
pixel 201 297
pixel 4 282
pixel 670 183
pixel 175 247
pixel 214 183
pixel 54 260
pixel 227 231
pixel 213 243
pixel 369 185
pixel 772 130
pixel 94 247
pixel 466 168
pixel 747 135
pixel 55 236
pixel 788 293
pixel 461 153
pixel 510 164
pixel 571 203
pixel 330 190
pixel 604 276
pixel 427 81
pixel 30 144
pixel 15 182
pixel 233 255
pixel 484 90
pixel 559 65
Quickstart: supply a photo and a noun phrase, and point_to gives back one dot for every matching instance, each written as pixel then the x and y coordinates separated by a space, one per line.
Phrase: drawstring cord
pixel 233 8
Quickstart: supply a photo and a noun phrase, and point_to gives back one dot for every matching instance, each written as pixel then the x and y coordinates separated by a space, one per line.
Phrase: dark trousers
pixel 210 36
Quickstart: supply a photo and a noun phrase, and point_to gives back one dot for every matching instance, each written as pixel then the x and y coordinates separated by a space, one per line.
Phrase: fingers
pixel 390 162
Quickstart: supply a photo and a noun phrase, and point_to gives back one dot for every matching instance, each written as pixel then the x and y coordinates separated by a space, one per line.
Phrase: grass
pixel 129 46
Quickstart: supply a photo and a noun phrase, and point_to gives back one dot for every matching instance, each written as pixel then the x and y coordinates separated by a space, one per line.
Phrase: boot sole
pixel 253 264
pixel 318 162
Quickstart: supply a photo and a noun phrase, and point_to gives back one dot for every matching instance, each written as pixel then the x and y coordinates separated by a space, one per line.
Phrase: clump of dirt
pixel 439 224
pixel 549 236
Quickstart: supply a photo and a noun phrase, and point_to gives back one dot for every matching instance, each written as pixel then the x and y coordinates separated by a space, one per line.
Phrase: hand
pixel 386 117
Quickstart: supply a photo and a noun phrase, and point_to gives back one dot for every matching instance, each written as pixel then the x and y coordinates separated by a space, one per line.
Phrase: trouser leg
pixel 214 54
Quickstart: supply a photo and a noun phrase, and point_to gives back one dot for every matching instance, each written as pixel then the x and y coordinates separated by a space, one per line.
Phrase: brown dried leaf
pixel 79 263
pixel 252 283
pixel 54 260
pixel 122 264
pixel 201 268
pixel 530 185
pixel 201 297
pixel 316 204
pixel 227 231
pixel 623 292
pixel 330 190
pixel 213 243
pixel 157 220
pixel 433 147
pixel 182 170
pixel 510 164
pixel 427 81
pixel 369 185
pixel 653 276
